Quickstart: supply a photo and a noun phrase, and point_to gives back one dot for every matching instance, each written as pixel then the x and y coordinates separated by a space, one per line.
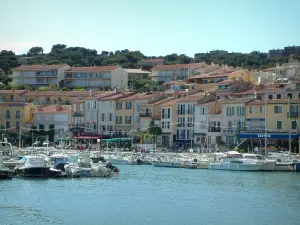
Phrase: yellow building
pixel 279 120
pixel 242 74
pixel 12 95
pixel 15 114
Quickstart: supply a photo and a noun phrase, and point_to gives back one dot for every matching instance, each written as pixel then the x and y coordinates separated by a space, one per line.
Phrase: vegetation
pixel 153 132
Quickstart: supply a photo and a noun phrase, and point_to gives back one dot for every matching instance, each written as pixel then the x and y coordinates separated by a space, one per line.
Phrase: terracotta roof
pixel 60 93
pixel 180 82
pixel 92 69
pixel 170 103
pixel 225 82
pixel 139 96
pixel 159 102
pixel 192 98
pixel 223 72
pixel 116 96
pixel 100 95
pixel 178 66
pixel 137 71
pixel 40 67
pixel 238 101
pixel 269 69
pixel 273 101
pixel 52 109
pixel 12 92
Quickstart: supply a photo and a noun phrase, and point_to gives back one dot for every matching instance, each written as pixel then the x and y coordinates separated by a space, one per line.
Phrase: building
pixel 208 124
pixel 152 62
pixel 109 77
pixel 169 119
pixel 12 96
pixel 279 121
pixel 39 75
pixel 275 53
pixel 291 50
pixel 166 73
pixel 77 125
pixel 57 115
pixel 233 119
pixel 288 70
pixel 136 74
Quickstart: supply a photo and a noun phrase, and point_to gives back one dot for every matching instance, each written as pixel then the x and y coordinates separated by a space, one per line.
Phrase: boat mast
pixel 266 125
pixel 290 127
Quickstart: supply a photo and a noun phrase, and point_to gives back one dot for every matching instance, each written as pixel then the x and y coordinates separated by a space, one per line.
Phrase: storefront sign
pixel 272 135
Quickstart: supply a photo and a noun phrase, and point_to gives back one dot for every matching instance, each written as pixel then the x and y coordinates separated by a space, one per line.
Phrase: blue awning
pixel 269 135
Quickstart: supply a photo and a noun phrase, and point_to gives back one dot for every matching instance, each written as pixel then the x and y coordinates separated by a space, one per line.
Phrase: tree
pixel 34 51
pixel 154 131
pixel 8 60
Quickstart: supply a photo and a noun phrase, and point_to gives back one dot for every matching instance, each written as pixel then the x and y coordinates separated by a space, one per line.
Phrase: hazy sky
pixel 155 27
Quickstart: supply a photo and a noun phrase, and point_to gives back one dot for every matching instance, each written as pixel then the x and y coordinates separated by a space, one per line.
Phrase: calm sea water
pixel 155 196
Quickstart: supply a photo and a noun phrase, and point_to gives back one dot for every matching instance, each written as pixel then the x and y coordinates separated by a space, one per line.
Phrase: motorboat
pixel 167 162
pixel 284 161
pixel 235 161
pixel 266 164
pixel 33 166
pixel 5 172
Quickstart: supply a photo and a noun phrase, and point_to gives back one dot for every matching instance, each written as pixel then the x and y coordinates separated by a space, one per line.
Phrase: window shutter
pixel 233 111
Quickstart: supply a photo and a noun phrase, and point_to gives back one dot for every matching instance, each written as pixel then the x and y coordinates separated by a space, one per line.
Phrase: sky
pixel 156 27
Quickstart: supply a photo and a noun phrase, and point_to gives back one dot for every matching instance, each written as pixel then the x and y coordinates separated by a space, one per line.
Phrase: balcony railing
pixel 293 114
pixel 77 114
pixel 183 112
pixel 145 114
pixel 79 127
pixel 214 129
pixel 181 125
pixel 166 116
pixel 229 131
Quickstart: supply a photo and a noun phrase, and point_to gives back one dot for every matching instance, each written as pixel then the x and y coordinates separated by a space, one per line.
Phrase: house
pixel 279 120
pixel 208 125
pixel 109 77
pixel 39 75
pixel 234 119
pixel 57 115
pixel 166 73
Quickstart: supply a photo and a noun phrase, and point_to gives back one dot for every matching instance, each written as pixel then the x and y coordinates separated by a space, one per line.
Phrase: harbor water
pixel 155 196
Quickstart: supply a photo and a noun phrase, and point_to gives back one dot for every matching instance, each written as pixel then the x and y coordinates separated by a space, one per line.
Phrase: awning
pixel 116 140
pixel 65 139
pixel 88 137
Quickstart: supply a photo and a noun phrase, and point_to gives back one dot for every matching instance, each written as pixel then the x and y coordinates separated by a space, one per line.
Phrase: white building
pixel 96 77
pixel 234 120
pixel 208 124
pixel 57 115
pixel 39 75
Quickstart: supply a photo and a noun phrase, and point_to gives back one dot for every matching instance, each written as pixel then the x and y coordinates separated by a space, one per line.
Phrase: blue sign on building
pixel 269 135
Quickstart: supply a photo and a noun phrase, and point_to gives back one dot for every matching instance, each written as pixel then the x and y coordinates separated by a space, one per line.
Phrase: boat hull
pixel 34 172
pixel 119 162
pixel 5 174
pixel 234 166
pixel 287 167
pixel 167 164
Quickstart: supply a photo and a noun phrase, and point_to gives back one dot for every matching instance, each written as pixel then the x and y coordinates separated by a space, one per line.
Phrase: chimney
pixel 58 108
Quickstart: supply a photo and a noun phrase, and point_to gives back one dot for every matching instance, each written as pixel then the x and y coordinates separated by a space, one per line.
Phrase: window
pixel 110 117
pixel 278 109
pixel 290 95
pixel 168 125
pixel 181 109
pixel 128 119
pixel 103 117
pixel 202 110
pixel 95 104
pixel 17 114
pixel 7 124
pixel 162 125
pixel 294 125
pixel 241 111
pixel 17 124
pixel 278 96
pixel 128 105
pixel 261 109
pixel 191 121
pixel 279 124
pixel 7 114
pixel 89 105
pixel 250 109
pixel 181 121
pixel 229 111
pixel 11 97
pixel 118 119
pixel 119 105
pixel 270 97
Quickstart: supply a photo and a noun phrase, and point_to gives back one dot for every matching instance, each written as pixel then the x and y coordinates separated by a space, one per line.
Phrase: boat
pixel 284 161
pixel 166 162
pixel 5 173
pixel 266 164
pixel 235 161
pixel 32 166
pixel 85 167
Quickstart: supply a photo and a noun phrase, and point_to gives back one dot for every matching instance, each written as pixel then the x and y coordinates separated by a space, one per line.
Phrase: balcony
pixel 293 114
pixel 145 114
pixel 181 112
pixel 185 112
pixel 166 116
pixel 77 114
pixel 229 131
pixel 255 129
pixel 77 127
pixel 181 125
pixel 214 129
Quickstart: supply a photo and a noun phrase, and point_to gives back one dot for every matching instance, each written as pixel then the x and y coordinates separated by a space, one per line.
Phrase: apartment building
pixel 77 125
pixel 96 77
pixel 57 115
pixel 279 120
pixel 12 96
pixel 208 125
pixel 166 73
pixel 39 75
pixel 234 119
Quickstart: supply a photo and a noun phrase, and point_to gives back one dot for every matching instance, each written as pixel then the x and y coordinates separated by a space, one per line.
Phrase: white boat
pixel 266 164
pixel 166 162
pixel 235 161
pixel 5 173
pixel 284 161
pixel 119 160
pixel 32 166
